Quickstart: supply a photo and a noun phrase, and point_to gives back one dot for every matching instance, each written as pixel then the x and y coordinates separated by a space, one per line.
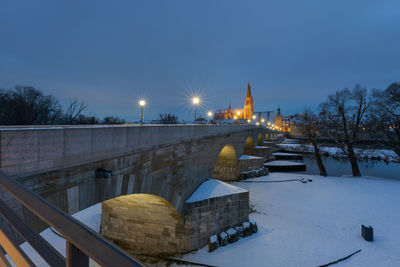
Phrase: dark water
pixel 336 167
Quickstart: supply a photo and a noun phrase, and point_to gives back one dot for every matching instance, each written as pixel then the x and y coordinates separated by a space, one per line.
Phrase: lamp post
pixel 142 103
pixel 210 114
pixel 196 101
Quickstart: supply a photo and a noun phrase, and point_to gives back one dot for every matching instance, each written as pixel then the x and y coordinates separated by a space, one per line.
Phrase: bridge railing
pixel 82 243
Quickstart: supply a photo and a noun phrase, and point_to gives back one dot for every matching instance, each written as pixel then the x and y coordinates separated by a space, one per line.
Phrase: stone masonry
pixel 145 224
pixel 59 163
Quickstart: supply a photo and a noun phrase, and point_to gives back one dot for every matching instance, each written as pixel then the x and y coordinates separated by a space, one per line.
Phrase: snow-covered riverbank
pixel 368 154
pixel 315 223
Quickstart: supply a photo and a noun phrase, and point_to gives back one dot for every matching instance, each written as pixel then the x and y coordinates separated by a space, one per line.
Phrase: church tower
pixel 278 118
pixel 248 104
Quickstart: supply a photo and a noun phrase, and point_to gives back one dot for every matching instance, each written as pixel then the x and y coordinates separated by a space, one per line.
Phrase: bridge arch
pixel 130 220
pixel 249 146
pixel 227 165
pixel 260 139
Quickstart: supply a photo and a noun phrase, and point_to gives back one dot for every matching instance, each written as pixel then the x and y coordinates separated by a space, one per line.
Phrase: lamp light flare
pixel 142 102
pixel 248 121
pixel 196 100
pixel 262 120
pixel 254 117
pixel 209 114
pixel 238 112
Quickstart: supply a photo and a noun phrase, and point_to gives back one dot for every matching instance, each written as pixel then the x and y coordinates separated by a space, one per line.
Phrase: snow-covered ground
pixel 303 224
pixel 315 223
pixel 376 154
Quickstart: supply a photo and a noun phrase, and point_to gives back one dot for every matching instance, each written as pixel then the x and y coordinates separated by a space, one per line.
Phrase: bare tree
pixel 308 126
pixel 25 105
pixel 386 115
pixel 113 120
pixel 74 109
pixel 343 113
pixel 168 118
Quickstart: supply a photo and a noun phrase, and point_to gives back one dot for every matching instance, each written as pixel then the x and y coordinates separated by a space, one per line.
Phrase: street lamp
pixel 142 103
pixel 254 117
pixel 196 101
pixel 210 114
pixel 262 120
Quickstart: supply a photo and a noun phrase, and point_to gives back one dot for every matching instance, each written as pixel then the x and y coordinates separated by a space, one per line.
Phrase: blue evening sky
pixel 111 53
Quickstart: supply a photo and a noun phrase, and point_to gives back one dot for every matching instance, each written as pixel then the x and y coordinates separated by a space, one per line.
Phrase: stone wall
pixel 250 163
pixel 214 215
pixel 145 224
pixel 264 151
pixel 29 150
pixel 59 163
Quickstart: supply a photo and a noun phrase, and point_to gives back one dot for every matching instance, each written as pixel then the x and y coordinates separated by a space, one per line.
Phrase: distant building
pixel 282 122
pixel 245 113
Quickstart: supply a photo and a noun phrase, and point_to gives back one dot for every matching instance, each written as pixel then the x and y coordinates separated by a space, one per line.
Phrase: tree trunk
pixel 353 162
pixel 322 170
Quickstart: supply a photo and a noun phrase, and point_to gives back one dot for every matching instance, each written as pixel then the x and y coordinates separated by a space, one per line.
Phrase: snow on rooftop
pixel 214 188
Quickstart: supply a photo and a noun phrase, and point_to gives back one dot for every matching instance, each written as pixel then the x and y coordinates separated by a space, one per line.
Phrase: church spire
pixel 248 90
pixel 248 104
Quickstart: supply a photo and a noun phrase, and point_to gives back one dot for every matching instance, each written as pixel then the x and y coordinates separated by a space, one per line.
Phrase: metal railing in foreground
pixel 81 242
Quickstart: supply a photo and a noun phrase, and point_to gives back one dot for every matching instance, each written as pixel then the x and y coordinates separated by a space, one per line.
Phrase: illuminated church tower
pixel 248 104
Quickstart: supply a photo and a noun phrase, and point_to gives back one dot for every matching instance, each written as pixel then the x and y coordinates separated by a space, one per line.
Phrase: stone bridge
pixel 65 165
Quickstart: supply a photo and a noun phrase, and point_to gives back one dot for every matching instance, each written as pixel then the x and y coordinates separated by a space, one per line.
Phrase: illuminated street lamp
pixel 254 117
pixel 142 103
pixel 262 120
pixel 257 123
pixel 248 121
pixel 196 101
pixel 210 114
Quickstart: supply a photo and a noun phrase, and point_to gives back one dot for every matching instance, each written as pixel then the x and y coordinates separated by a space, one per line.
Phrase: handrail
pixel 45 250
pixel 79 238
